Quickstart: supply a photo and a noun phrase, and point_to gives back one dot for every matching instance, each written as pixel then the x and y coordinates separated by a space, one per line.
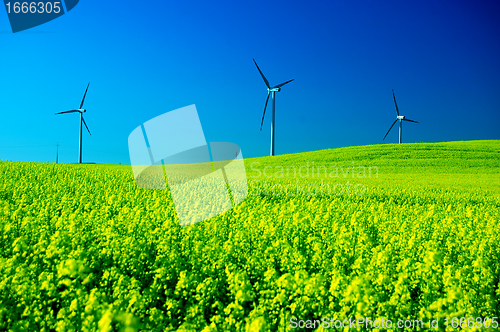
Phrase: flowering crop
pixel 84 249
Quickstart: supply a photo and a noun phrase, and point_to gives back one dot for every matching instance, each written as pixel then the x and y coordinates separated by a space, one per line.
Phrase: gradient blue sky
pixel 147 58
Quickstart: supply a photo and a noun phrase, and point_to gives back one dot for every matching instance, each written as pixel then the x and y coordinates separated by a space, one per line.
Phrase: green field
pixel 84 249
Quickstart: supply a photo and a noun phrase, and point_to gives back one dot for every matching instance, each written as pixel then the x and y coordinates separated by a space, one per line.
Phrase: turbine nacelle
pixel 401 117
pixel 274 89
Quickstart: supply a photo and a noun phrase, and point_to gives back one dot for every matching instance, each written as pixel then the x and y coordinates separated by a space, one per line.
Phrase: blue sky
pixel 147 58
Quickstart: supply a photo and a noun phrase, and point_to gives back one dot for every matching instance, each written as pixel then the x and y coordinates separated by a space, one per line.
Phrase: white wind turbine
pixel 82 120
pixel 401 118
pixel 272 91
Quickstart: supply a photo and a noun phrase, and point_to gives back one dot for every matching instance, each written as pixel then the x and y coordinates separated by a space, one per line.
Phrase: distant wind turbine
pixel 272 91
pixel 82 120
pixel 401 118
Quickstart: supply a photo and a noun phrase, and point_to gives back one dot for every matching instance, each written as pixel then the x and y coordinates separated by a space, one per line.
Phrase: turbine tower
pixel 399 118
pixel 82 120
pixel 270 91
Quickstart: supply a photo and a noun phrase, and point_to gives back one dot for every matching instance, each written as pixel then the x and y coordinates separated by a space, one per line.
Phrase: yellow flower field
pixel 84 249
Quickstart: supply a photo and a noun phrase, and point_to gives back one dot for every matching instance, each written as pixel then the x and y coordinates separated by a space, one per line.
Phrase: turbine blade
pixel 280 85
pixel 84 95
pixel 405 119
pixel 72 111
pixel 397 110
pixel 262 121
pixel 86 125
pixel 261 74
pixel 390 128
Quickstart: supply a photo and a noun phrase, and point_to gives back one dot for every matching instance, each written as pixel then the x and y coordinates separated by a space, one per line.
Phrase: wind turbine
pixel 401 118
pixel 82 120
pixel 270 91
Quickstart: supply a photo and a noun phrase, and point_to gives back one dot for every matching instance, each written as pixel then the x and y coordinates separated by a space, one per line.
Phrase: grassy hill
pixel 464 168
pixel 476 157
